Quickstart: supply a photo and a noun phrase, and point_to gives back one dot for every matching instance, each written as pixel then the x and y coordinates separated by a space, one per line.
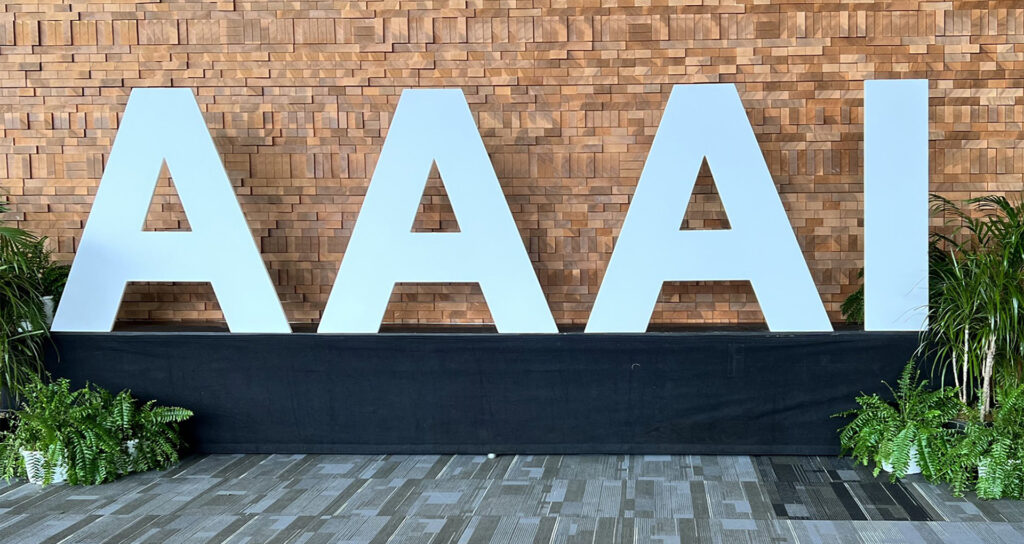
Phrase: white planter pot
pixel 34 467
pixel 912 468
pixel 133 454
pixel 34 464
pixel 48 308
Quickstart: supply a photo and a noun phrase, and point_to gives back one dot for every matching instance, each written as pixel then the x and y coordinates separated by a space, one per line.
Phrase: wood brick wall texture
pixel 567 95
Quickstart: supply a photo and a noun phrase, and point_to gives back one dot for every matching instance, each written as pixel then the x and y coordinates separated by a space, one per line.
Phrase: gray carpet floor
pixel 434 499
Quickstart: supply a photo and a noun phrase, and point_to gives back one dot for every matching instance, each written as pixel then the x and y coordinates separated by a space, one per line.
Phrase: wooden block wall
pixel 567 95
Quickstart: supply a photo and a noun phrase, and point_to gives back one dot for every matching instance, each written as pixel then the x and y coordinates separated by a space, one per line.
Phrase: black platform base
pixel 695 393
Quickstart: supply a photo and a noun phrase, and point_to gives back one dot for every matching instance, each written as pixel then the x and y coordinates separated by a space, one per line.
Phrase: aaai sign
pixel 436 126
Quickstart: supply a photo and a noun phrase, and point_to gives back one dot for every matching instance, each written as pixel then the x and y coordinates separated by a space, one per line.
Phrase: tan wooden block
pixel 157 32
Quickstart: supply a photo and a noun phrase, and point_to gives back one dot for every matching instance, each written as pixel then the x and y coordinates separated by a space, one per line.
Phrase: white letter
pixel 435 126
pixel 166 125
pixel 706 121
pixel 896 205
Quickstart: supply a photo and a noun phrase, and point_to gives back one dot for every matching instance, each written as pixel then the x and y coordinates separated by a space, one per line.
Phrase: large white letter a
pixel 706 121
pixel 435 126
pixel 165 125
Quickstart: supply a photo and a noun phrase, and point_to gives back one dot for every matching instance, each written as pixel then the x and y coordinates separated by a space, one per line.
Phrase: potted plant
pixel 22 315
pixel 976 308
pixel 149 434
pixel 905 435
pixel 87 436
pixel 57 436
pixel 987 456
pixel 976 325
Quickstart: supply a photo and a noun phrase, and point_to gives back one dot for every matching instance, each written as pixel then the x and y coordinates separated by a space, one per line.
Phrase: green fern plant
pixel 888 432
pixel 64 426
pixel 153 430
pixel 87 432
pixel 990 457
pixel 958 464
